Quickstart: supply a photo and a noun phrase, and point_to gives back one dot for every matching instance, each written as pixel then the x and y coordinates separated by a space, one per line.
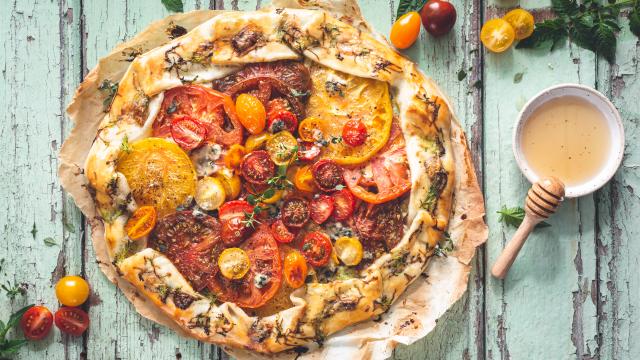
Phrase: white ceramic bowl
pixel 609 112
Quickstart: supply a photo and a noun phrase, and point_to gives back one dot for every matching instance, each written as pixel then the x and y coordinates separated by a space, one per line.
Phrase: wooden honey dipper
pixel 542 201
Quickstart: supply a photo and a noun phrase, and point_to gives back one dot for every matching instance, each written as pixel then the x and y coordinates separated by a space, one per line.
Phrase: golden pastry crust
pixel 206 53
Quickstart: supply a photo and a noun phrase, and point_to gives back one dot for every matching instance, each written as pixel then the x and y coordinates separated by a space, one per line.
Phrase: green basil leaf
pixel 173 5
pixel 406 6
pixel 11 347
pixel 13 320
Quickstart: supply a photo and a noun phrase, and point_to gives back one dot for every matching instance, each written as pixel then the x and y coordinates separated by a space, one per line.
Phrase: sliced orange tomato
pixel 159 174
pixel 141 223
pixel 295 269
pixel 522 22
pixel 233 157
pixel 497 35
pixel 251 113
pixel 303 179
pixel 337 98
pixel 405 30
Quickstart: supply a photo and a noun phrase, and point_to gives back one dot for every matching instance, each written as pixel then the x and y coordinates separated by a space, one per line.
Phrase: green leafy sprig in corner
pixel 9 348
pixel 589 24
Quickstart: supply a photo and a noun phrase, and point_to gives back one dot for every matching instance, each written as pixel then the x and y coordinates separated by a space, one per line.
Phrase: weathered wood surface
pixel 572 294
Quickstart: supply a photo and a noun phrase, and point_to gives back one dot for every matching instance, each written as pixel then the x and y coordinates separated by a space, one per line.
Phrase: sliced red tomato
pixel 321 208
pixel 387 173
pixel 295 212
pixel 213 109
pixel 354 133
pixel 281 232
pixel 257 167
pixel 327 174
pixel 36 322
pixel 187 132
pixel 345 203
pixel 234 208
pixel 234 230
pixel 280 117
pixel 72 320
pixel 308 151
pixel 262 281
pixel 316 248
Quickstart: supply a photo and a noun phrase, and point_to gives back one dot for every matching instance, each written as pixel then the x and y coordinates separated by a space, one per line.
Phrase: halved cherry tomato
pixel 257 167
pixel 308 130
pixel 72 290
pixel 282 147
pixel 234 230
pixel 72 320
pixel 438 17
pixel 354 133
pixel 256 142
pixel 303 179
pixel 327 174
pixel 349 250
pixel 405 30
pixel 231 183
pixel 36 322
pixel 316 248
pixel 295 212
pixel 522 22
pixel 234 208
pixel 321 208
pixel 280 117
pixel 210 193
pixel 251 113
pixel 234 263
pixel 295 269
pixel 233 157
pixel 140 223
pixel 497 35
pixel 213 109
pixel 344 203
pixel 308 151
pixel 281 232
pixel 187 132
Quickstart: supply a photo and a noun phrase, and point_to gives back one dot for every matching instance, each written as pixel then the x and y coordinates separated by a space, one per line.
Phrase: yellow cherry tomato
pixel 303 179
pixel 309 131
pixel 255 142
pixel 497 35
pixel 234 155
pixel 210 193
pixel 277 195
pixel 295 269
pixel 72 290
pixel 349 250
pixel 282 147
pixel 234 263
pixel 231 183
pixel 405 30
pixel 251 113
pixel 141 222
pixel 522 22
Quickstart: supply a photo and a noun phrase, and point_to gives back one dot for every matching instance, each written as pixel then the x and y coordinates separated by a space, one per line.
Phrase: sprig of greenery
pixel 173 5
pixel 110 89
pixel 514 217
pixel 10 347
pixel 444 246
pixel 588 24
pixel 406 6
pixel 14 290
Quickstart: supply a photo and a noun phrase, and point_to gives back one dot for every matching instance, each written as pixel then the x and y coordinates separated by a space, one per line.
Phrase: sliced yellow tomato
pixel 337 98
pixel 282 147
pixel 210 193
pixel 231 182
pixel 141 222
pixel 349 250
pixel 497 35
pixel 522 22
pixel 234 155
pixel 159 174
pixel 234 263
pixel 255 142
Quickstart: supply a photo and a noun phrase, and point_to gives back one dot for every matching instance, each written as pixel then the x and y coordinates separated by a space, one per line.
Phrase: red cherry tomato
pixel 234 230
pixel 36 322
pixel 354 133
pixel 321 208
pixel 257 167
pixel 308 151
pixel 281 232
pixel 234 208
pixel 438 17
pixel 295 212
pixel 344 203
pixel 405 30
pixel 316 248
pixel 72 320
pixel 280 117
pixel 187 132
pixel 327 174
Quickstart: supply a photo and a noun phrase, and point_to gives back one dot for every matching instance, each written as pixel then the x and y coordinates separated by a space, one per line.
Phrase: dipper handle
pixel 542 201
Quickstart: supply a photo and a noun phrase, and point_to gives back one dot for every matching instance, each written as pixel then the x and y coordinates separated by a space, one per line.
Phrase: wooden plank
pixel 40 63
pixel 117 330
pixel 543 310
pixel 618 212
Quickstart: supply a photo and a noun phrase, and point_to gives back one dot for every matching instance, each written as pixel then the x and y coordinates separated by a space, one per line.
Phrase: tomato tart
pixel 270 178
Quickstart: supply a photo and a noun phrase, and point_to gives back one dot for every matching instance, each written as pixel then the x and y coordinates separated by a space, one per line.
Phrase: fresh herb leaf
pixel 514 217
pixel 67 225
pixel 173 5
pixel 49 241
pixel 11 347
pixel 406 6
pixel 462 75
pixel 634 20
pixel 110 89
pixel 15 289
pixel 34 231
pixel 548 31
pixel 125 145
pixel 517 78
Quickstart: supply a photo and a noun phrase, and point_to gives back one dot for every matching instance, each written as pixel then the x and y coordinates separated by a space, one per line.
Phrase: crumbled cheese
pixel 260 280
pixel 205 159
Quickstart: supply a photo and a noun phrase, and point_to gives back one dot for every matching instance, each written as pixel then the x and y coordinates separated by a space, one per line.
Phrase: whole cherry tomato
pixel 72 290
pixel 354 133
pixel 438 17
pixel 295 269
pixel 251 113
pixel 36 322
pixel 405 30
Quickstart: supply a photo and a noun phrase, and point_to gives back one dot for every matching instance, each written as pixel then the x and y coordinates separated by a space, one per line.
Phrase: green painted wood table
pixel 573 293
